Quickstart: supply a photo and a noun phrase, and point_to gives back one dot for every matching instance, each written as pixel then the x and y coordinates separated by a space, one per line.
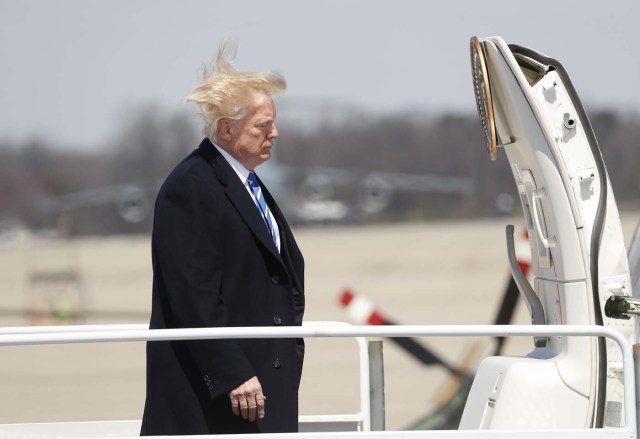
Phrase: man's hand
pixel 247 399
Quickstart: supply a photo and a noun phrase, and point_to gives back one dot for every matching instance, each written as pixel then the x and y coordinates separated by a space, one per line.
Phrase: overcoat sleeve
pixel 187 257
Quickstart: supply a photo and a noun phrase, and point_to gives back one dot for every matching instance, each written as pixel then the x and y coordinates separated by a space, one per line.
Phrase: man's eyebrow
pixel 265 120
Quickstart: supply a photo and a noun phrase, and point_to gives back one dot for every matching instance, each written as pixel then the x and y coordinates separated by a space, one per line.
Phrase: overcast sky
pixel 70 70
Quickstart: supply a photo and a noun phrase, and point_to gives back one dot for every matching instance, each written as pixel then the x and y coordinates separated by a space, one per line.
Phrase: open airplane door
pixel 528 107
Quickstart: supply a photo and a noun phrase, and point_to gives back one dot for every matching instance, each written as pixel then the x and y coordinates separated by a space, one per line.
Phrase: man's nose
pixel 274 132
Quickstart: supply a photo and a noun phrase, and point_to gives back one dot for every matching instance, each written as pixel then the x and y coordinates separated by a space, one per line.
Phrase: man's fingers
pixel 252 408
pixel 248 401
pixel 256 406
pixel 235 406
pixel 260 399
pixel 244 407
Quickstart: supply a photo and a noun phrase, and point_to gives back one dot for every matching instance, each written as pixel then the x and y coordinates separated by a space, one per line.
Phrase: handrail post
pixel 636 371
pixel 376 384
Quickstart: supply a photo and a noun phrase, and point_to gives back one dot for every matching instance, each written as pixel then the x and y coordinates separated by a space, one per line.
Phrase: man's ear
pixel 224 129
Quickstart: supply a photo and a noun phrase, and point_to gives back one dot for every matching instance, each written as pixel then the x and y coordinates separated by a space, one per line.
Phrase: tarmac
pixel 452 272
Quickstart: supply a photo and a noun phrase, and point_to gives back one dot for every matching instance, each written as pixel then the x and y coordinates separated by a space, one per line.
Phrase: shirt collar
pixel 242 172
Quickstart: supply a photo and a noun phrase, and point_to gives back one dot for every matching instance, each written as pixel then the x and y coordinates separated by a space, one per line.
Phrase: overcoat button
pixel 277 321
pixel 276 363
pixel 275 279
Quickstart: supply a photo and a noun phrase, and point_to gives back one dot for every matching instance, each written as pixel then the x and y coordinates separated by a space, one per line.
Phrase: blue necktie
pixel 256 190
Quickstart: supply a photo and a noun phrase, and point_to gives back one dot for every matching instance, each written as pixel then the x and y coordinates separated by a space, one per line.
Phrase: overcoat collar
pixel 240 198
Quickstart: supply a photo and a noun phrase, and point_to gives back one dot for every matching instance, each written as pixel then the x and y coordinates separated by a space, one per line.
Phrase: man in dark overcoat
pixel 223 256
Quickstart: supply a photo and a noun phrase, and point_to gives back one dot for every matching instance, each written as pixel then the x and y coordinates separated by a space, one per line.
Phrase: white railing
pixel 359 421
pixel 92 334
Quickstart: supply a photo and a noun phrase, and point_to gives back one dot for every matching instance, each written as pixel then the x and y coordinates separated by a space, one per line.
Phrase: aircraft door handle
pixel 530 297
pixel 539 194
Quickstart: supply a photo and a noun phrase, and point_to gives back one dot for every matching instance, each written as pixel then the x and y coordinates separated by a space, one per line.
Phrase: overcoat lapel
pixel 242 201
pixel 239 197
pixel 286 237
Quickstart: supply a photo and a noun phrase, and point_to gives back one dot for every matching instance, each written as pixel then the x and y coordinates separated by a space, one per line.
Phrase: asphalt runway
pixel 450 272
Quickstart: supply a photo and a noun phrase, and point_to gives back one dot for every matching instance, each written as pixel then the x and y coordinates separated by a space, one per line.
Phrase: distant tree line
pixel 153 141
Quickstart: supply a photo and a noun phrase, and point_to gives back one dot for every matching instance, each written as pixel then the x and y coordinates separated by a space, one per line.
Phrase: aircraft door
pixel 528 107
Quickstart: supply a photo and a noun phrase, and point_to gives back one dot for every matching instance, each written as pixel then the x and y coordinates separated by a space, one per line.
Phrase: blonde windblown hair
pixel 227 93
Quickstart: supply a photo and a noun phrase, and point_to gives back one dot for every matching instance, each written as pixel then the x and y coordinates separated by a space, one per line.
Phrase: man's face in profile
pixel 253 135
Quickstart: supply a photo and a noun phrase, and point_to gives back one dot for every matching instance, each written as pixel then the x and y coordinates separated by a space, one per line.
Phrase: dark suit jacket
pixel 215 265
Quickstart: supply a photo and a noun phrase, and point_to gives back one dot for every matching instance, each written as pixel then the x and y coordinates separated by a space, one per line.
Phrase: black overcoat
pixel 215 265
